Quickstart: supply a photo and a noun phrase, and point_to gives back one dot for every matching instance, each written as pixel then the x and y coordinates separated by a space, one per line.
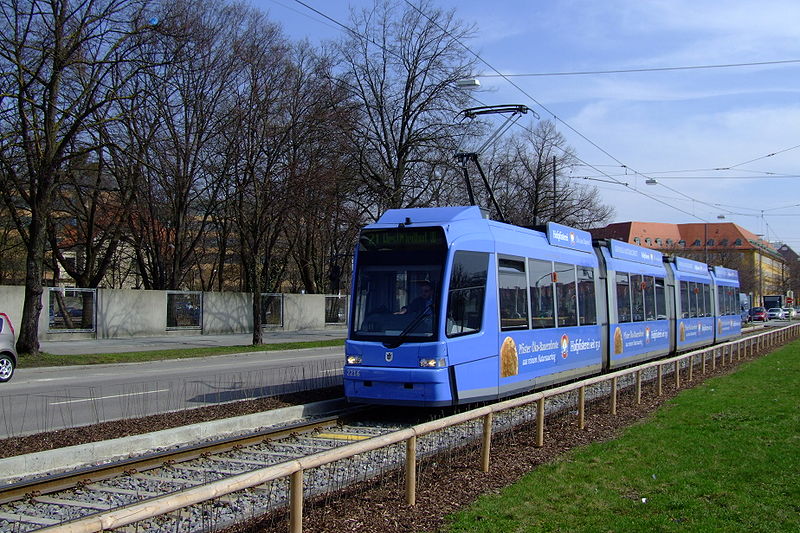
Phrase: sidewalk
pixel 177 342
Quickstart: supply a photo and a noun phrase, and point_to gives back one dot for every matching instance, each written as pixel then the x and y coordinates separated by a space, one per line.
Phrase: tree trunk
pixel 28 342
pixel 258 336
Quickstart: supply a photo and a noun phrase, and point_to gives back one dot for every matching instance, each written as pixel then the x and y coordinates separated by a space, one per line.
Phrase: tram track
pixel 33 504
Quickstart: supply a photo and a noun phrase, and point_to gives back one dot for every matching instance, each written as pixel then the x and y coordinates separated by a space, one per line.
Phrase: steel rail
pixel 48 484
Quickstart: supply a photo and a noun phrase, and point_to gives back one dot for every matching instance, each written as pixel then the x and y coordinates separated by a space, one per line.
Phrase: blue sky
pixel 679 126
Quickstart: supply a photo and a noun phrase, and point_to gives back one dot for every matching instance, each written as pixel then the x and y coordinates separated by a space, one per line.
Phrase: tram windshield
pixel 397 295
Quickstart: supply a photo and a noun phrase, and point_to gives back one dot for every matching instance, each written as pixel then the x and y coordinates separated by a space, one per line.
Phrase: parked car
pixel 789 312
pixel 8 351
pixel 776 313
pixel 758 314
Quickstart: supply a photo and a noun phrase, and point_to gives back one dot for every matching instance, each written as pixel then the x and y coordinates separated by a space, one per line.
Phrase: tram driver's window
pixel 467 293
pixel 513 285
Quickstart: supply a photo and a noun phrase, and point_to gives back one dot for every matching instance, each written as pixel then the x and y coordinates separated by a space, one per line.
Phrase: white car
pixel 775 313
pixel 789 312
pixel 8 352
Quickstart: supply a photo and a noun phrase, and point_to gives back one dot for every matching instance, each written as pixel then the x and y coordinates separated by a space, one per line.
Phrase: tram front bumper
pixel 398 386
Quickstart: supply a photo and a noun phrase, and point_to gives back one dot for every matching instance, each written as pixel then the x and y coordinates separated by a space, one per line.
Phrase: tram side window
pixel 695 299
pixel 587 307
pixel 637 297
pixel 722 303
pixel 649 298
pixel 709 311
pixel 685 307
pixel 566 295
pixel 540 274
pixel 661 300
pixel 513 284
pixel 467 293
pixel 623 297
pixel 730 300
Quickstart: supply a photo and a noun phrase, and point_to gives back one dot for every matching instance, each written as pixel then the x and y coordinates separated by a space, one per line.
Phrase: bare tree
pixel 57 59
pixel 319 176
pixel 401 68
pixel 255 146
pixel 180 110
pixel 529 176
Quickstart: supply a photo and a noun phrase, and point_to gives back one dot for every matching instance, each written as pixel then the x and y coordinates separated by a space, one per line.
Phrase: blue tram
pixel 449 307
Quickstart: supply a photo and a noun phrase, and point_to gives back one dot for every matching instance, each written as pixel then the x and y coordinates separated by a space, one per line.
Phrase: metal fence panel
pixel 72 309
pixel 184 310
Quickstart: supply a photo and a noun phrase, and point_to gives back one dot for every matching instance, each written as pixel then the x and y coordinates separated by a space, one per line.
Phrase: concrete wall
pixel 137 313
pixel 302 311
pixel 227 312
pixel 11 301
pixel 128 313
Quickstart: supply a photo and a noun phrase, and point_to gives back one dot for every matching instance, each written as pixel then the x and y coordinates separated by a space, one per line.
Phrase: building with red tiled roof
pixel 762 270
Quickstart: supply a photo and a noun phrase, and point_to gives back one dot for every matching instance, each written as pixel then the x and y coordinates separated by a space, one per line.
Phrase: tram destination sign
pixel 401 239
pixel 693 267
pixel 631 252
pixel 726 273
pixel 566 237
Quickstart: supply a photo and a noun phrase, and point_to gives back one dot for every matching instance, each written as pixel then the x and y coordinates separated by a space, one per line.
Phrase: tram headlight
pixel 432 363
pixel 354 359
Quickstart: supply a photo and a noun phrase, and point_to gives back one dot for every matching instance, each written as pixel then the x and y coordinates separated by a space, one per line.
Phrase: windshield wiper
pixel 410 327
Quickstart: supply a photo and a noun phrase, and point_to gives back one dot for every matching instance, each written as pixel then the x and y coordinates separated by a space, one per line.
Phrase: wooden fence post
pixel 582 408
pixel 486 447
pixel 677 374
pixel 540 423
pixel 614 395
pixel 691 366
pixel 411 471
pixel 296 509
pixel 638 387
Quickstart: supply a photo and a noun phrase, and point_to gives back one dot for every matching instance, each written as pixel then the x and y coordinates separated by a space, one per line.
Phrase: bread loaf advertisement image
pixel 509 363
pixel 618 342
pixel 682 333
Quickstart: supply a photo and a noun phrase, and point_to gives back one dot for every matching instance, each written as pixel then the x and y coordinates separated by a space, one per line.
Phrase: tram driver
pixel 422 304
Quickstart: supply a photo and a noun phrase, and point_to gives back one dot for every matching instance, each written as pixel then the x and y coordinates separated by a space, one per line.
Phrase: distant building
pixel 762 269
pixel 792 270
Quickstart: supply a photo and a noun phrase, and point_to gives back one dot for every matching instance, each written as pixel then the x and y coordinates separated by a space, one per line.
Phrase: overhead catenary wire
pixel 645 69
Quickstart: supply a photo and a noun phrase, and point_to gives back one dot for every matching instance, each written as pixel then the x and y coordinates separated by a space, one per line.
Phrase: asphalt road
pixel 45 399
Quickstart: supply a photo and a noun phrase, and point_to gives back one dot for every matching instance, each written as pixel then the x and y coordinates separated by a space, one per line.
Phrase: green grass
pixel 47 359
pixel 724 456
